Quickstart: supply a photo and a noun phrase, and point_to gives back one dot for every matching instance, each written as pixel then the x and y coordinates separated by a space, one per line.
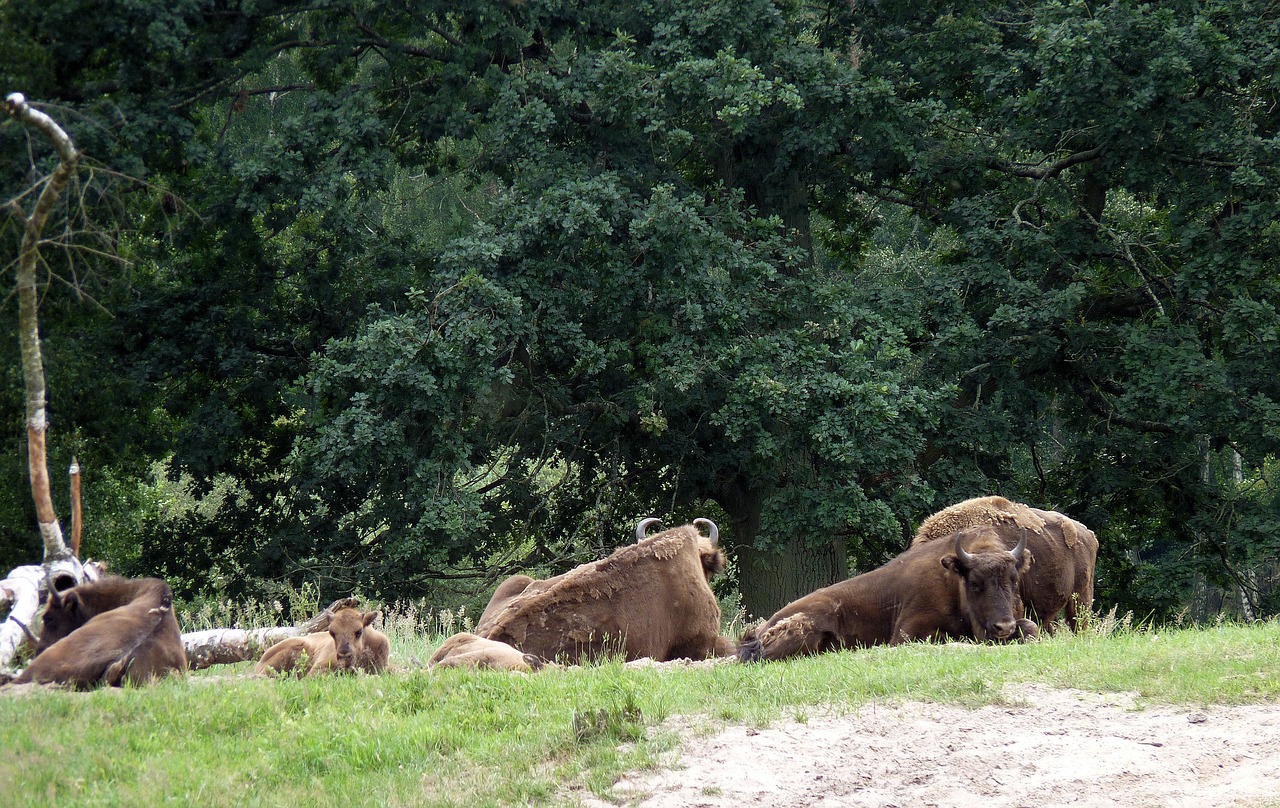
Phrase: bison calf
pixel 350 644
pixel 466 650
pixel 106 633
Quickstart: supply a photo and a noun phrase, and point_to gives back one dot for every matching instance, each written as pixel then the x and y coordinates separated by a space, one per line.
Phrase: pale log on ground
pixel 226 646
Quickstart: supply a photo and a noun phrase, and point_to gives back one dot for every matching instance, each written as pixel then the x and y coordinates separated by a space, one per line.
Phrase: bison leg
pixel 282 657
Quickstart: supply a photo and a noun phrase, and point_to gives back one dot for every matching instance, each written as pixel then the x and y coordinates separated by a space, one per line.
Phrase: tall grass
pixel 453 737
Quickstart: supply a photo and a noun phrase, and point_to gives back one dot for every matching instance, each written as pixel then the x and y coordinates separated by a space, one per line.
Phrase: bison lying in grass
pixel 964 588
pixel 1063 551
pixel 350 644
pixel 466 650
pixel 108 632
pixel 649 599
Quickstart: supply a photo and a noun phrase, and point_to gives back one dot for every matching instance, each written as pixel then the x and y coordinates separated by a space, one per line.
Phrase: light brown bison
pixel 466 650
pixel 108 632
pixel 350 644
pixel 965 588
pixel 649 599
pixel 1064 552
pixel 506 590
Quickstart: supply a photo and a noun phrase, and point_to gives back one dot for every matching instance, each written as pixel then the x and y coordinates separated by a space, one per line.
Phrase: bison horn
pixel 713 532
pixel 1021 548
pixel 643 527
pixel 965 557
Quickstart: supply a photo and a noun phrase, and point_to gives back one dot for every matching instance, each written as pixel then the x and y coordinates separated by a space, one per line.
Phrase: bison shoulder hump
pixel 992 510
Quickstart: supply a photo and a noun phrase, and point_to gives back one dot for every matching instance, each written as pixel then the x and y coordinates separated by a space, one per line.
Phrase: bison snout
pixel 1003 629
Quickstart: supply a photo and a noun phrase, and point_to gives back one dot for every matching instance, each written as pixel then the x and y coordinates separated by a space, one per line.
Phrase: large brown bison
pixel 1063 552
pixel 466 650
pixel 350 644
pixel 965 588
pixel 649 599
pixel 108 632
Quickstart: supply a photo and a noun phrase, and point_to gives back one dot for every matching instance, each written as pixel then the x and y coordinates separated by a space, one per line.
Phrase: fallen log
pixel 226 646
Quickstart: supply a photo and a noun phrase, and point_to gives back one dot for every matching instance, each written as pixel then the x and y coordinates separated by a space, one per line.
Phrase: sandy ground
pixel 1053 747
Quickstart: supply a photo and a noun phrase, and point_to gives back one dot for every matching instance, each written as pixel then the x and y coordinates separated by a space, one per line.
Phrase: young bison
pixel 466 650
pixel 106 633
pixel 350 644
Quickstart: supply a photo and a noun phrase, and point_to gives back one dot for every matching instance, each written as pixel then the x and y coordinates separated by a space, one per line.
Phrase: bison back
pixel 649 599
pixel 133 643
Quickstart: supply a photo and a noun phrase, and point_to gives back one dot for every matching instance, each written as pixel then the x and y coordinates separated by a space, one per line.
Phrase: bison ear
pixel 1025 563
pixel 713 562
pixel 952 563
pixel 369 617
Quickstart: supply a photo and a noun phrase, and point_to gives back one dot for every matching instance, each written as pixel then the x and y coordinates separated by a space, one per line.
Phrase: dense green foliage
pixel 458 737
pixel 413 292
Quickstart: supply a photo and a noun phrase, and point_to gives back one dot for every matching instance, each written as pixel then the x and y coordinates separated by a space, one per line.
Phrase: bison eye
pixel 358 633
pixel 974 586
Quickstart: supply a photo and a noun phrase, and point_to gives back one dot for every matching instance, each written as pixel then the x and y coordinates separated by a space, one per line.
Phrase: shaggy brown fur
pixel 648 599
pixel 931 590
pixel 349 645
pixel 466 650
pixel 1060 582
pixel 106 633
pixel 977 511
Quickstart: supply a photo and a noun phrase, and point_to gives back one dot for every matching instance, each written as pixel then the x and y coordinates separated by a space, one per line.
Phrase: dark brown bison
pixel 466 650
pixel 965 588
pixel 349 645
pixel 1064 552
pixel 106 633
pixel 649 599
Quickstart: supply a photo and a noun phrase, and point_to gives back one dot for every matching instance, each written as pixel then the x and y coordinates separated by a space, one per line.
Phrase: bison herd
pixel 986 569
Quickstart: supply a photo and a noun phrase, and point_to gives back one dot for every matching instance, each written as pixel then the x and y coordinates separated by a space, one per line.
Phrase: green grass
pixel 455 737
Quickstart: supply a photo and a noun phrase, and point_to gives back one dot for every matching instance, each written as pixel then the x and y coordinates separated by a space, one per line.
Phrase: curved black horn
pixel 965 557
pixel 713 532
pixel 1021 548
pixel 643 527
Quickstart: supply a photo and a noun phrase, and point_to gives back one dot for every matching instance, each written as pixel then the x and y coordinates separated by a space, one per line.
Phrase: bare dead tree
pixel 61 568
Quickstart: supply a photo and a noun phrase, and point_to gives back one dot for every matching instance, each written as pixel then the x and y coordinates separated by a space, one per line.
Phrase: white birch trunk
pixel 55 548
pixel 226 646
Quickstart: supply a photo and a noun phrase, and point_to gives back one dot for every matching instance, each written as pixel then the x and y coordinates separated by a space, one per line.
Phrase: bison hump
pixel 991 510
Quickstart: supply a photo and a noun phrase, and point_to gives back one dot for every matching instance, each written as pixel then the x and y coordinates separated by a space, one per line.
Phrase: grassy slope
pixel 461 738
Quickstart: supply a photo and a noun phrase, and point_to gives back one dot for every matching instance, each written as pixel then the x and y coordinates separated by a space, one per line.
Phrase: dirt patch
pixel 1055 747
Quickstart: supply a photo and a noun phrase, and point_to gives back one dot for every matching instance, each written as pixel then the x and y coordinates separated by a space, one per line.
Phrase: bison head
pixel 989 577
pixel 709 549
pixel 346 627
pixel 63 614
pixel 713 560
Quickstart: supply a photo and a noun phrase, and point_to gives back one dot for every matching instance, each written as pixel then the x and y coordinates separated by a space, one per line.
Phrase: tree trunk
pixel 770 579
pixel 61 568
pixel 55 548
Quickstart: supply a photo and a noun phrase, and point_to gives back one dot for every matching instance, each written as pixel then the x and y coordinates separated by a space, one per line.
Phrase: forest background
pixel 403 297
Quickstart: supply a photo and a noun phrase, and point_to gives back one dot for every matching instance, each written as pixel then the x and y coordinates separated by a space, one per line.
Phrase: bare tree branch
pixel 1040 171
